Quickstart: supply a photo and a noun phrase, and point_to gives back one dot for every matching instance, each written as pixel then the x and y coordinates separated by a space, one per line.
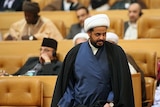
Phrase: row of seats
pixel 37 91
pixel 12 58
pixel 150 21
pixel 26 91
pixel 152 4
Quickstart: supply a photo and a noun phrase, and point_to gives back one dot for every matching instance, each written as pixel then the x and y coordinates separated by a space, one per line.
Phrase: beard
pixel 98 44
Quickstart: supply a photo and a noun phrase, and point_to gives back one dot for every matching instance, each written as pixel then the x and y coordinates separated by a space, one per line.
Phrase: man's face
pixel 133 13
pixel 98 36
pixel 82 15
pixel 31 18
pixel 46 51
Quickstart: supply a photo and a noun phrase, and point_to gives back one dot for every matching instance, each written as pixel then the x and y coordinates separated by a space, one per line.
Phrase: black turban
pixel 48 42
pixel 31 7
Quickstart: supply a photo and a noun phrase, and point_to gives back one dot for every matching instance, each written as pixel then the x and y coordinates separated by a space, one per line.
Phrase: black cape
pixel 121 77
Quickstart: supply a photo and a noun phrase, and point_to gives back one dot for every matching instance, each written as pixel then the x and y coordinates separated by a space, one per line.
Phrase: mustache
pixel 100 40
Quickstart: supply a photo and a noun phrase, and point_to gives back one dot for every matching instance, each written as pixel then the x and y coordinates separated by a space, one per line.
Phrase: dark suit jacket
pixel 75 28
pixel 126 25
pixel 17 6
pixel 58 5
pixel 52 68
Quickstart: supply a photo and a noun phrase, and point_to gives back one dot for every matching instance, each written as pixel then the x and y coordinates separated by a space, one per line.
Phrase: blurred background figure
pixel 130 27
pixel 65 5
pixel 33 26
pixel 82 13
pixel 80 38
pixel 11 5
pixel 112 37
pixel 46 63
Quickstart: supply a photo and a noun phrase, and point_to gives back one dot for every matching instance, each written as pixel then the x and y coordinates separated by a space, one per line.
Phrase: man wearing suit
pixel 47 62
pixel 65 5
pixel 11 5
pixel 130 27
pixel 82 13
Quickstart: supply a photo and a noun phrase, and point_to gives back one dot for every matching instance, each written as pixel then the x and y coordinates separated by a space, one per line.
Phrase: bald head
pixel 134 12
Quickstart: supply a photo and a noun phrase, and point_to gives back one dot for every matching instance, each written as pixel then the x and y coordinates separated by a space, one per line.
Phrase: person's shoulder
pixel 58 62
pixel 75 25
pixel 45 19
pixel 74 49
pixel 113 46
pixel 21 21
pixel 126 22
pixel 33 58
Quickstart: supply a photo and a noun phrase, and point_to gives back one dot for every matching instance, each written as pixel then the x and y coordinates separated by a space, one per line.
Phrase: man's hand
pixel 109 105
pixel 106 105
pixel 9 37
pixel 44 58
pixel 3 73
pixel 27 37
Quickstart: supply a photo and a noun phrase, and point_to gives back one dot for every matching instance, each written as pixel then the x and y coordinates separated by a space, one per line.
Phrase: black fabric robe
pixel 121 78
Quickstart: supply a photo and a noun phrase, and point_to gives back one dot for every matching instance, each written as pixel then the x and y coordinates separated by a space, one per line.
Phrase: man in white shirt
pixel 130 27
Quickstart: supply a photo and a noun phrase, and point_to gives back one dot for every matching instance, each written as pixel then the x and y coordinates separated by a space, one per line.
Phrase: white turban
pixel 80 35
pixel 95 21
pixel 110 36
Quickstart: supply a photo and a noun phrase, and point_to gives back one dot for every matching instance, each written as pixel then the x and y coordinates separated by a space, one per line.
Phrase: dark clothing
pixel 120 4
pixel 52 68
pixel 17 6
pixel 100 77
pixel 58 5
pixel 75 29
pixel 136 67
pixel 126 25
pixel 97 3
pixel 120 75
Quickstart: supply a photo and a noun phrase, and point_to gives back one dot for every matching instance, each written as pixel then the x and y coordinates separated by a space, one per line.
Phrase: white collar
pixel 94 49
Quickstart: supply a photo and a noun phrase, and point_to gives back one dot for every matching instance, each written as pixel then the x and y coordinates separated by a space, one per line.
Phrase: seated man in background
pixel 65 5
pixel 33 27
pixel 11 5
pixel 134 68
pixel 46 64
pixel 130 27
pixel 82 13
